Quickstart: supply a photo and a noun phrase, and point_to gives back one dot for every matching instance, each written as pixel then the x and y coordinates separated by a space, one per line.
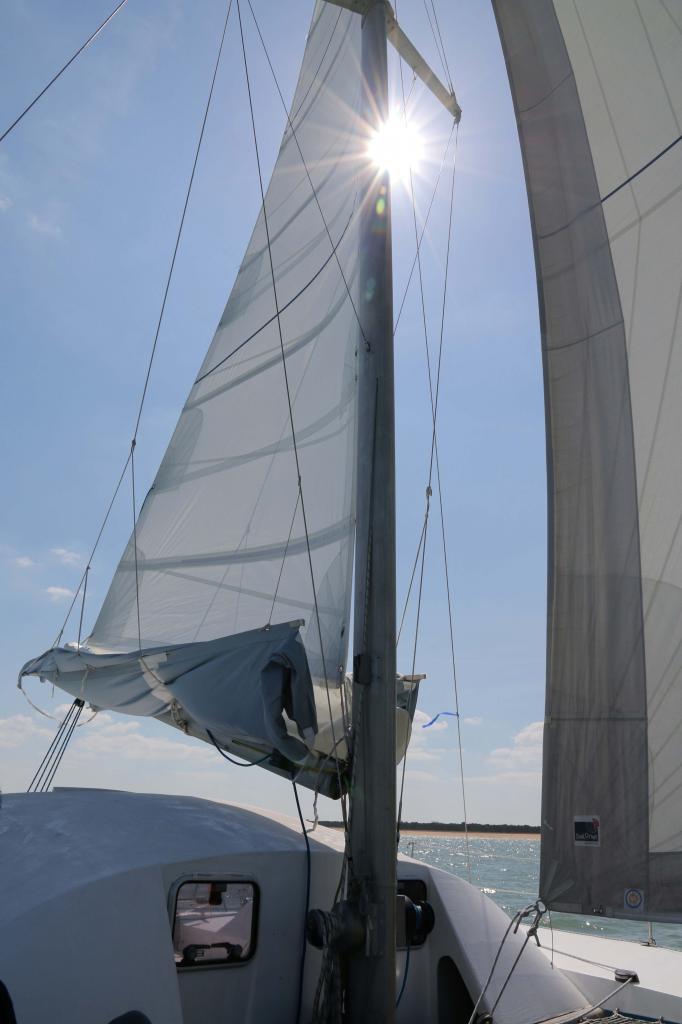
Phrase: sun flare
pixel 397 147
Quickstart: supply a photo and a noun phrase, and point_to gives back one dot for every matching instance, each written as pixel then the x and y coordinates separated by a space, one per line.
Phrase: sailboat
pixel 228 616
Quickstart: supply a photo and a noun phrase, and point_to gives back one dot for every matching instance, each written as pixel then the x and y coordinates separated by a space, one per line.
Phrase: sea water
pixel 507 870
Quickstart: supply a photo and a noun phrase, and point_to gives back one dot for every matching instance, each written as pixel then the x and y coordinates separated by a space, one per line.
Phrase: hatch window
pixel 214 923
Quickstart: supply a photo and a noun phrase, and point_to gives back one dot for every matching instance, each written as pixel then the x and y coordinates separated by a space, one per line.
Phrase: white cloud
pixel 24 562
pixel 44 226
pixel 475 720
pixel 67 557
pixel 58 593
pixel 420 720
pixel 5 203
pixel 420 749
pixel 525 753
pixel 419 754
pixel 107 737
pixel 18 729
pixel 504 778
pixel 419 776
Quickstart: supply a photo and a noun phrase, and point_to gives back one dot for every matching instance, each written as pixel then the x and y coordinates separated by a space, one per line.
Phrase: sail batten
pixel 597 89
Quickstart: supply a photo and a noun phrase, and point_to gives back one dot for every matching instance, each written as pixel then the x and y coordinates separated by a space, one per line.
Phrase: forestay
pixel 597 89
pixel 220 546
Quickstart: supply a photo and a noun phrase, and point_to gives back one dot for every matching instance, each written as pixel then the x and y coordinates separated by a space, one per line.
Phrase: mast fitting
pixel 408 52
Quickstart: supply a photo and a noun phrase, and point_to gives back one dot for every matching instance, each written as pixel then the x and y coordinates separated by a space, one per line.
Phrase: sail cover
pixel 221 547
pixel 597 88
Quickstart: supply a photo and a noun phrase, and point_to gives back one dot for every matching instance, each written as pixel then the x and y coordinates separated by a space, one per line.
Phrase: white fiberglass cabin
pixel 192 912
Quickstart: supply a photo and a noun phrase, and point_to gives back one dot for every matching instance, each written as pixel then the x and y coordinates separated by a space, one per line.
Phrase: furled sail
pixel 597 88
pixel 221 549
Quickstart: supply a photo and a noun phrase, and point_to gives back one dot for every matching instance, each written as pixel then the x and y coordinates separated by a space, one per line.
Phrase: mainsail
pixel 221 549
pixel 597 88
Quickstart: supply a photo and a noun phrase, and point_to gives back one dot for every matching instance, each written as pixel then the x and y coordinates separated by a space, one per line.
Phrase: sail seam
pixel 310 180
pixel 281 310
pixel 288 392
pixel 613 192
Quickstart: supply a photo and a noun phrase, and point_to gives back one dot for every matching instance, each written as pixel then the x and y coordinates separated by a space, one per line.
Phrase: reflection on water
pixel 507 870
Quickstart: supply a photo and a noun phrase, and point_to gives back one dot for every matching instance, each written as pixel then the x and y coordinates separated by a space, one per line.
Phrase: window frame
pixel 223 877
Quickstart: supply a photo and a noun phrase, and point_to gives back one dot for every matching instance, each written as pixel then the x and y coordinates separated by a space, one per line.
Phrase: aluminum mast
pixel 371 975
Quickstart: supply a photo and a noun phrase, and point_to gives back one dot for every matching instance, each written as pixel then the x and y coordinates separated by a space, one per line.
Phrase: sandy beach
pixel 449 832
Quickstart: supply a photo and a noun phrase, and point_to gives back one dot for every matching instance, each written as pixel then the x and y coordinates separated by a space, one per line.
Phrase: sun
pixel 397 147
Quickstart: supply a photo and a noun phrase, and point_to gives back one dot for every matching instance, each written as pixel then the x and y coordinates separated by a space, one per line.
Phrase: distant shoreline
pixel 471 833
pixel 475 830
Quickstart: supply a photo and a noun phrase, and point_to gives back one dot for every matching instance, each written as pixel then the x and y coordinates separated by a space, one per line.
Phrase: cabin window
pixel 214 922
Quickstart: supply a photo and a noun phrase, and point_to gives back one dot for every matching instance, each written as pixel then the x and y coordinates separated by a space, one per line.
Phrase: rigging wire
pixel 538 910
pixel 424 226
pixel 395 328
pixel 305 166
pixel 434 454
pixel 287 304
pixel 287 389
pixel 62 70
pixel 411 708
pixel 80 620
pixel 238 764
pixel 182 220
pixel 333 255
pixel 405 973
pixel 304 830
pixel 129 458
pixel 442 520
pixel 409 589
pixel 284 557
pixel 137 575
pixel 440 45
pixel 45 773
pixel 169 277
pixel 93 550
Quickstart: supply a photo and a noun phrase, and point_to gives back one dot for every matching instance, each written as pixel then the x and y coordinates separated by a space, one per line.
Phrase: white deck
pixel 87 912
pixel 590 961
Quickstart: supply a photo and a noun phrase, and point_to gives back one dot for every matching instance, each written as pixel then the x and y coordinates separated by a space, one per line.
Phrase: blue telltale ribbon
pixel 451 714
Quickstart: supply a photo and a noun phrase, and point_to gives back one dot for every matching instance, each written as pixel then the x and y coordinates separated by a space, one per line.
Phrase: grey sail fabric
pixel 236 687
pixel 220 546
pixel 597 88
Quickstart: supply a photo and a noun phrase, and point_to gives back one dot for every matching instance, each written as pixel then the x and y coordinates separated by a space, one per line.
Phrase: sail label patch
pixel 633 899
pixel 586 830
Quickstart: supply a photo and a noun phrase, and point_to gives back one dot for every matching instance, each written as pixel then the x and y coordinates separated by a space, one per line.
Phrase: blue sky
pixel 91 190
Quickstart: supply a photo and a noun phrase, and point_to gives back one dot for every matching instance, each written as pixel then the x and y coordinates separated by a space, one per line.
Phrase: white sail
pixel 221 546
pixel 213 533
pixel 597 86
